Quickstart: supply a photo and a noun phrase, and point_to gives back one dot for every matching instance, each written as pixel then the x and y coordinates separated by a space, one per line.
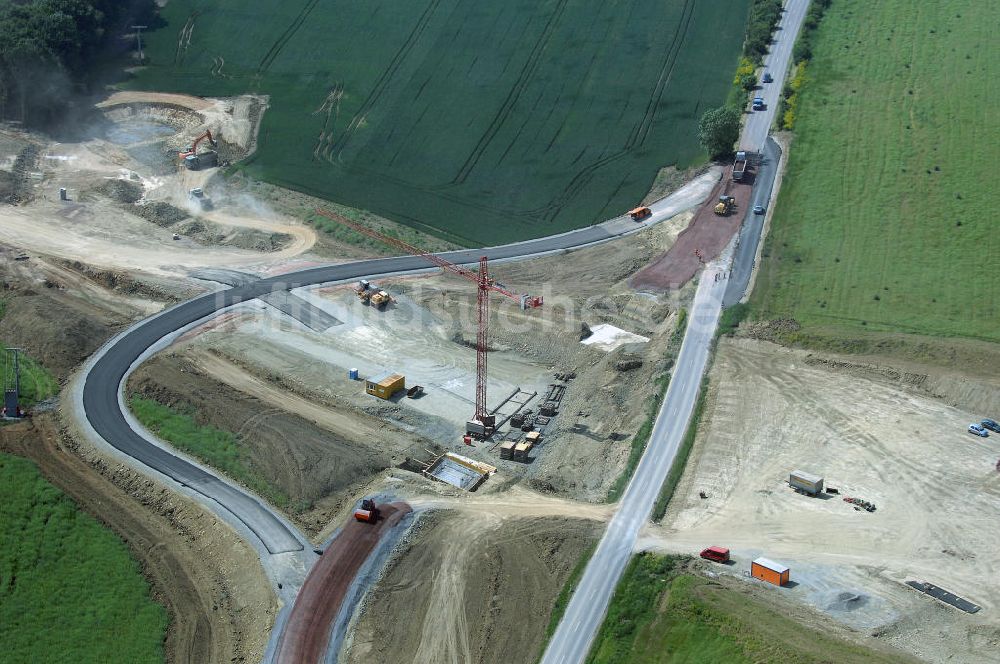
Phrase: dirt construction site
pixel 890 436
pixel 127 238
pixel 499 524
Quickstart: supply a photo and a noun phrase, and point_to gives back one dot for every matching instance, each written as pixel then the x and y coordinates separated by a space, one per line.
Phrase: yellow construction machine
pixel 725 205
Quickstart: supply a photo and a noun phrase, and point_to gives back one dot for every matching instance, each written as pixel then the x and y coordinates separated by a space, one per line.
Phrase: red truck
pixel 716 554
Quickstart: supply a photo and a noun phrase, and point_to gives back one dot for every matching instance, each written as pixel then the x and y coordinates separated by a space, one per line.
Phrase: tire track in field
pixel 641 131
pixel 331 110
pixel 513 96
pixel 382 83
pixel 279 44
pixel 184 39
pixel 357 121
pixel 548 211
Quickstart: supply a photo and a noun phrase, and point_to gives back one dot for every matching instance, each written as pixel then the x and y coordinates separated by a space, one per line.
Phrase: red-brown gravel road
pixel 308 631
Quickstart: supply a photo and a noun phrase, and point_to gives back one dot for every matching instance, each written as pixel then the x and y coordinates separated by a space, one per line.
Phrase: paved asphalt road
pixel 104 381
pixel 753 224
pixel 776 62
pixel 576 631
pixel 585 613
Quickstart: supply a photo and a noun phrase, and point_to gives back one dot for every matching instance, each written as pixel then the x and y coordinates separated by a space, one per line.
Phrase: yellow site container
pixel 385 386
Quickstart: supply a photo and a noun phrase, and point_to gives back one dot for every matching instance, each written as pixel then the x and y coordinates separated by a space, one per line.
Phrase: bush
pixel 746 67
pixel 764 16
pixel 718 130
pixel 748 82
pixel 732 317
pixel 802 51
pixel 791 101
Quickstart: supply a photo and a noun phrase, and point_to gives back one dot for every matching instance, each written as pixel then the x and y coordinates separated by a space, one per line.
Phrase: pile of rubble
pixel 860 504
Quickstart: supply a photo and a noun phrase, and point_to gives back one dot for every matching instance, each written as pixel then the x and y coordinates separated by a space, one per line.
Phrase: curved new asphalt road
pixel 104 382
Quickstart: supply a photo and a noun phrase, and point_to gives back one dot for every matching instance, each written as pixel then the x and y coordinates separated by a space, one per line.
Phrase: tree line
pixel 50 49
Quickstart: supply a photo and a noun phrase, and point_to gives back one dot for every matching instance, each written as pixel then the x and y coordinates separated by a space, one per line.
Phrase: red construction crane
pixel 482 423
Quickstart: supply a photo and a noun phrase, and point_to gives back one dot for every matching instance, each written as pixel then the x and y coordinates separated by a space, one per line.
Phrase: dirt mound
pixel 121 282
pixel 24 164
pixel 50 329
pixel 770 330
pixel 122 191
pixel 51 324
pixel 6 185
pixel 476 590
pixel 160 213
pixel 210 234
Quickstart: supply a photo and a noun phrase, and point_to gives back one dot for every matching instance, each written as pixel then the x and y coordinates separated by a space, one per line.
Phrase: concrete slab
pixel 232 278
pixel 459 471
pixel 305 312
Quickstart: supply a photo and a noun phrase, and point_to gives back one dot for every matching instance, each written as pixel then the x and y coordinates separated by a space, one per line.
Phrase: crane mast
pixel 482 423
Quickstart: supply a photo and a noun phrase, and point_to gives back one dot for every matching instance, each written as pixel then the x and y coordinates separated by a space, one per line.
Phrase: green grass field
pixel 37 383
pixel 660 615
pixel 219 449
pixel 480 122
pixel 886 219
pixel 69 589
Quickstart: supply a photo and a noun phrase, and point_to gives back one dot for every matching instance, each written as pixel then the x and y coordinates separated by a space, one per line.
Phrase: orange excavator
pixel 193 160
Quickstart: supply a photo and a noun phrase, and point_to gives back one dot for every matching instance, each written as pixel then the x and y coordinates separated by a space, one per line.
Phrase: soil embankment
pixel 314 464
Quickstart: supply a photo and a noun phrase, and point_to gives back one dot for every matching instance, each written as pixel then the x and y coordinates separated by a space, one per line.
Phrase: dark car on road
pixel 758 209
pixel 991 425
pixel 767 77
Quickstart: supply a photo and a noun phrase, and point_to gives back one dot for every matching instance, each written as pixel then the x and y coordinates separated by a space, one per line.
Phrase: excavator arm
pixel 194 146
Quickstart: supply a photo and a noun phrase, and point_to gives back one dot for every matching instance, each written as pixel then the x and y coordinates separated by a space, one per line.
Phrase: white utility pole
pixel 138 38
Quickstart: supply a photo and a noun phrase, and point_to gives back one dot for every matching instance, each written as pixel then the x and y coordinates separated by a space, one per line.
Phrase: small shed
pixel 385 385
pixel 766 569
pixel 521 450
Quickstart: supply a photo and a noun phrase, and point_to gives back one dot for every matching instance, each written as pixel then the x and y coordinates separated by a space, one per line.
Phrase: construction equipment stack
pixel 369 294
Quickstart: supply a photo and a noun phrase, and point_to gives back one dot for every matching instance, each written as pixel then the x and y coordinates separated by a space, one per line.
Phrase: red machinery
pixel 193 150
pixel 482 423
pixel 368 513
pixel 718 554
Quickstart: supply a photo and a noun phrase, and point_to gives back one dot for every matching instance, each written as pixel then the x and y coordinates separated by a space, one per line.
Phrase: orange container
pixel 363 515
pixel 770 571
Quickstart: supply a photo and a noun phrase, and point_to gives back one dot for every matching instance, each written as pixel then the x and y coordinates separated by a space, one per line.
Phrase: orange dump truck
pixel 640 213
